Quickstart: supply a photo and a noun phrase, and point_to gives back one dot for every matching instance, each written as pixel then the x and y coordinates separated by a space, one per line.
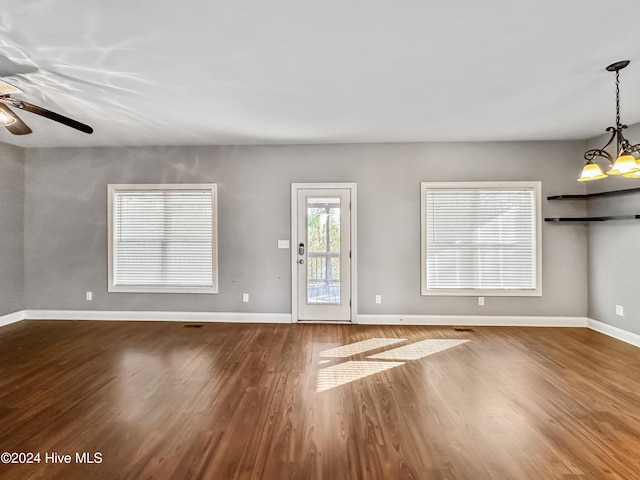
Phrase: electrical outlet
pixel 89 296
pixel 283 243
pixel 480 300
pixel 245 297
pixel 378 298
pixel 620 310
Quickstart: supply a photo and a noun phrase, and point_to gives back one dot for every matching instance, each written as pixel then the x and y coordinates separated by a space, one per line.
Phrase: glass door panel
pixel 323 256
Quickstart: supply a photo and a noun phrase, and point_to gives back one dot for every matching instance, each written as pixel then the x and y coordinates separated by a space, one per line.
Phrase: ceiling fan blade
pixel 18 127
pixel 69 122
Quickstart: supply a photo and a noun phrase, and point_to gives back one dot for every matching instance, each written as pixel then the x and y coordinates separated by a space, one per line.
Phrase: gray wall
pixel 11 229
pixel 66 237
pixel 614 249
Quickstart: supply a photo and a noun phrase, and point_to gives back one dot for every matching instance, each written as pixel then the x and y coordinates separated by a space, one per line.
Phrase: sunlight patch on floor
pixel 418 350
pixel 343 373
pixel 360 347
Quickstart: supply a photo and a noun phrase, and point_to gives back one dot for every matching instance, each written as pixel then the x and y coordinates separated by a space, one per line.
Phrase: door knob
pixel 301 261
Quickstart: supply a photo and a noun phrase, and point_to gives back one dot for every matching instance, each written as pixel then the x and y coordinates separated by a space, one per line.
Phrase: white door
pixel 322 253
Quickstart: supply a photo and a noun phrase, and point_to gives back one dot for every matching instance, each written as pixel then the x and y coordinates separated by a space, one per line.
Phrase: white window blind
pixel 163 239
pixel 480 239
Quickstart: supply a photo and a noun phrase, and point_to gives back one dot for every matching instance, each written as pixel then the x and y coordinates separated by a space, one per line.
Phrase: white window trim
pixel 536 186
pixel 112 188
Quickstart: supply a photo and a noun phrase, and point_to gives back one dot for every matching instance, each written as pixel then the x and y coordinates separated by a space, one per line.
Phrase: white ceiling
pixel 210 72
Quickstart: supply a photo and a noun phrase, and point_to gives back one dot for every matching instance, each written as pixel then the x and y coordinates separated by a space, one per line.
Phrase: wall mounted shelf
pixel 586 196
pixel 592 219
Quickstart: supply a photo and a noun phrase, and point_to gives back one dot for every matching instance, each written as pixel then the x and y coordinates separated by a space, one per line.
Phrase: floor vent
pixel 192 325
pixel 463 329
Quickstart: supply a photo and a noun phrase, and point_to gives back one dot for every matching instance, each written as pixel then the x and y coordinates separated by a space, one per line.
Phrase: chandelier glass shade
pixel 627 162
pixel 591 171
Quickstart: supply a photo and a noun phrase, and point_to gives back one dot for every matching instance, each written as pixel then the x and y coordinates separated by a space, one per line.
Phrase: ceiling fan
pixel 16 126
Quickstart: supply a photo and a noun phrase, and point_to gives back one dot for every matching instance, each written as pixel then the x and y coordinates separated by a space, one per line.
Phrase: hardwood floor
pixel 161 401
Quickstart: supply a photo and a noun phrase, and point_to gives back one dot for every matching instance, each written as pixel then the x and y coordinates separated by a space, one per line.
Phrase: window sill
pixel 141 289
pixel 482 293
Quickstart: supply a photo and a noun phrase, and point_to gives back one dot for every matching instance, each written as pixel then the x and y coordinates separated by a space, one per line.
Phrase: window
pixel 481 238
pixel 163 238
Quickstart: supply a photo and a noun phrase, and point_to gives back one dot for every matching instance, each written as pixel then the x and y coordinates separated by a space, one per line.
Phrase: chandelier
pixel 626 164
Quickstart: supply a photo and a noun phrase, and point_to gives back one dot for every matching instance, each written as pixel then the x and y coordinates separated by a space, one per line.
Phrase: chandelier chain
pixel 618 99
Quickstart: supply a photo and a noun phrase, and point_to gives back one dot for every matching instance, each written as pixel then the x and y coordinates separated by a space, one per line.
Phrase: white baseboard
pixel 615 332
pixel 219 317
pixel 473 320
pixel 12 318
pixel 363 319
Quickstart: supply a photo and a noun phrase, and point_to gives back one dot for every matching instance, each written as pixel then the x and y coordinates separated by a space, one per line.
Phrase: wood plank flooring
pixel 224 401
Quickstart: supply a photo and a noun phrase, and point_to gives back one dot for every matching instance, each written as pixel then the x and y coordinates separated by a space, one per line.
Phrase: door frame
pixel 351 186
